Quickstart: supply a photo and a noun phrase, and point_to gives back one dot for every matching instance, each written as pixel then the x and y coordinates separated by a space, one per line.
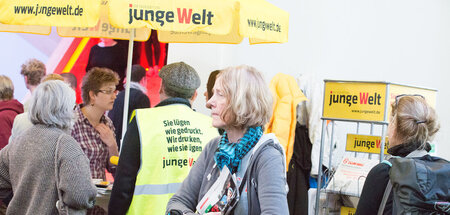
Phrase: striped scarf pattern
pixel 231 154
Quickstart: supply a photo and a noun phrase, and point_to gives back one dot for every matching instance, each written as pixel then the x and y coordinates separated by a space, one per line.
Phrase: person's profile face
pixel 105 96
pixel 217 103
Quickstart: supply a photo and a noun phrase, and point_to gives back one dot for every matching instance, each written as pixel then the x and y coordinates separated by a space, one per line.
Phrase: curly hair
pixel 34 70
pixel 94 79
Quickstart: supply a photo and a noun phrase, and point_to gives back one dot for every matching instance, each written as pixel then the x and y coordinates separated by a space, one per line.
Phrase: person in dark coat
pixel 9 108
pixel 138 99
pixel 108 53
pixel 413 126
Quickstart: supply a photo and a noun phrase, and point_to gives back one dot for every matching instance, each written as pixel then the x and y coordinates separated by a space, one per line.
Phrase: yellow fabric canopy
pixel 30 29
pixel 173 15
pixel 80 13
pixel 103 29
pixel 182 21
pixel 195 21
pixel 52 13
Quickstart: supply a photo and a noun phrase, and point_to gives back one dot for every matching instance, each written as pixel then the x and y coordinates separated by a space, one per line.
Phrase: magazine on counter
pixel 222 196
pixel 350 175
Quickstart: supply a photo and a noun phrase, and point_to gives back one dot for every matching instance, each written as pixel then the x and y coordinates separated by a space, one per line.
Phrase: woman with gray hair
pixel 255 159
pixel 48 164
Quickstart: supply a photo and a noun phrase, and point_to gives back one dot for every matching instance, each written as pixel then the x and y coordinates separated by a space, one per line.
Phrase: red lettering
pixel 363 98
pixel 191 161
pixel 378 143
pixel 184 17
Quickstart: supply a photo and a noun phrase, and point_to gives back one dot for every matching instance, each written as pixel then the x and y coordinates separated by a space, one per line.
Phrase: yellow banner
pixel 365 143
pixel 201 37
pixel 81 13
pixel 104 29
pixel 396 89
pixel 214 17
pixel 354 101
pixel 348 211
pixel 30 29
pixel 263 22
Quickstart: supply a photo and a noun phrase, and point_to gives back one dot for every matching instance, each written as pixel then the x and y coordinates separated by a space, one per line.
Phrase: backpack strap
pixel 387 191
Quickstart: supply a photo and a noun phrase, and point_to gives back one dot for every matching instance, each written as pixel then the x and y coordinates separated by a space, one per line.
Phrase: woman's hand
pixel 107 136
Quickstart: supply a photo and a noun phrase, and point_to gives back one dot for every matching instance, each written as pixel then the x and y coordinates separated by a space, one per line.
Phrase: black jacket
pixel 373 190
pixel 137 100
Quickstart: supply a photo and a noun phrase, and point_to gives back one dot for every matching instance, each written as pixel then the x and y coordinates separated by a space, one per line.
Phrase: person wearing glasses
pixel 412 127
pixel 93 129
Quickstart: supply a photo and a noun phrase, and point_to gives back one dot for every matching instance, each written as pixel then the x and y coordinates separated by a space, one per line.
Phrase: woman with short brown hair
pixel 93 129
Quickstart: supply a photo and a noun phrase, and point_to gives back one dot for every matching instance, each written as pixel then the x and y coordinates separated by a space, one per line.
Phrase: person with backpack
pixel 412 182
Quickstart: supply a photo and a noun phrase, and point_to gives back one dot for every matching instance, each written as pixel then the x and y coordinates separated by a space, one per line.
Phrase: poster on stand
pixel 350 176
pixel 354 101
pixel 365 143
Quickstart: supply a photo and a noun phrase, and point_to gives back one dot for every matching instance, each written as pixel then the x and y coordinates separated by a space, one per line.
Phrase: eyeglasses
pixel 397 98
pixel 108 92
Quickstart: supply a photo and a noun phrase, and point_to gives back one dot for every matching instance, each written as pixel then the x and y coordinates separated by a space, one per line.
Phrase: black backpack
pixel 419 185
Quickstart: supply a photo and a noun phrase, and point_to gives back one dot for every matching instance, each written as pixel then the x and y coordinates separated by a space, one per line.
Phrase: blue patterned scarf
pixel 231 154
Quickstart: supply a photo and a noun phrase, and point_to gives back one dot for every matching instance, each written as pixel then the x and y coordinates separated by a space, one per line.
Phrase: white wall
pixel 16 50
pixel 402 41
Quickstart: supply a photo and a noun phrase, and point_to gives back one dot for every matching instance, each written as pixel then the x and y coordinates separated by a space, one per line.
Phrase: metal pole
pixel 371 133
pixel 319 176
pixel 357 132
pixel 383 139
pixel 330 157
pixel 331 145
pixel 383 131
pixel 127 86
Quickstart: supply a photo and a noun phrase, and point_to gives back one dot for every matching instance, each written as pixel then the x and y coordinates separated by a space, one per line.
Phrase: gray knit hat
pixel 179 78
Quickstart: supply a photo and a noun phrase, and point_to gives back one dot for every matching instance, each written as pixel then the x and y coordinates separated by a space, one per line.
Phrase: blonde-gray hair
pixel 52 105
pixel 414 120
pixel 249 98
pixel 6 88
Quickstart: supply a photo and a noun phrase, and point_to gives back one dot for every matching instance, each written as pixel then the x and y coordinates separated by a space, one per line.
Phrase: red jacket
pixel 8 111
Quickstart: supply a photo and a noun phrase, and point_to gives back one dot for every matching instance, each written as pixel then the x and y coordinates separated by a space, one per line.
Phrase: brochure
pixel 222 196
pixel 351 175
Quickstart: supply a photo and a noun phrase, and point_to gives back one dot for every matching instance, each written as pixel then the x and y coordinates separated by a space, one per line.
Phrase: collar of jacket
pixel 174 100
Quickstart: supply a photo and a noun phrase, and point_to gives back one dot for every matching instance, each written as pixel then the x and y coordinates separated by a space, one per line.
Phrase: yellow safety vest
pixel 172 137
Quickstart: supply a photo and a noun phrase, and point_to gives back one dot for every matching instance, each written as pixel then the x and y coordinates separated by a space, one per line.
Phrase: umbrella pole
pixel 127 86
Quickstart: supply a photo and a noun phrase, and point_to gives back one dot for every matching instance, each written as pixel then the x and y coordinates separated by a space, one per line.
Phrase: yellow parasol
pixel 187 21
pixel 74 18
pixel 195 21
